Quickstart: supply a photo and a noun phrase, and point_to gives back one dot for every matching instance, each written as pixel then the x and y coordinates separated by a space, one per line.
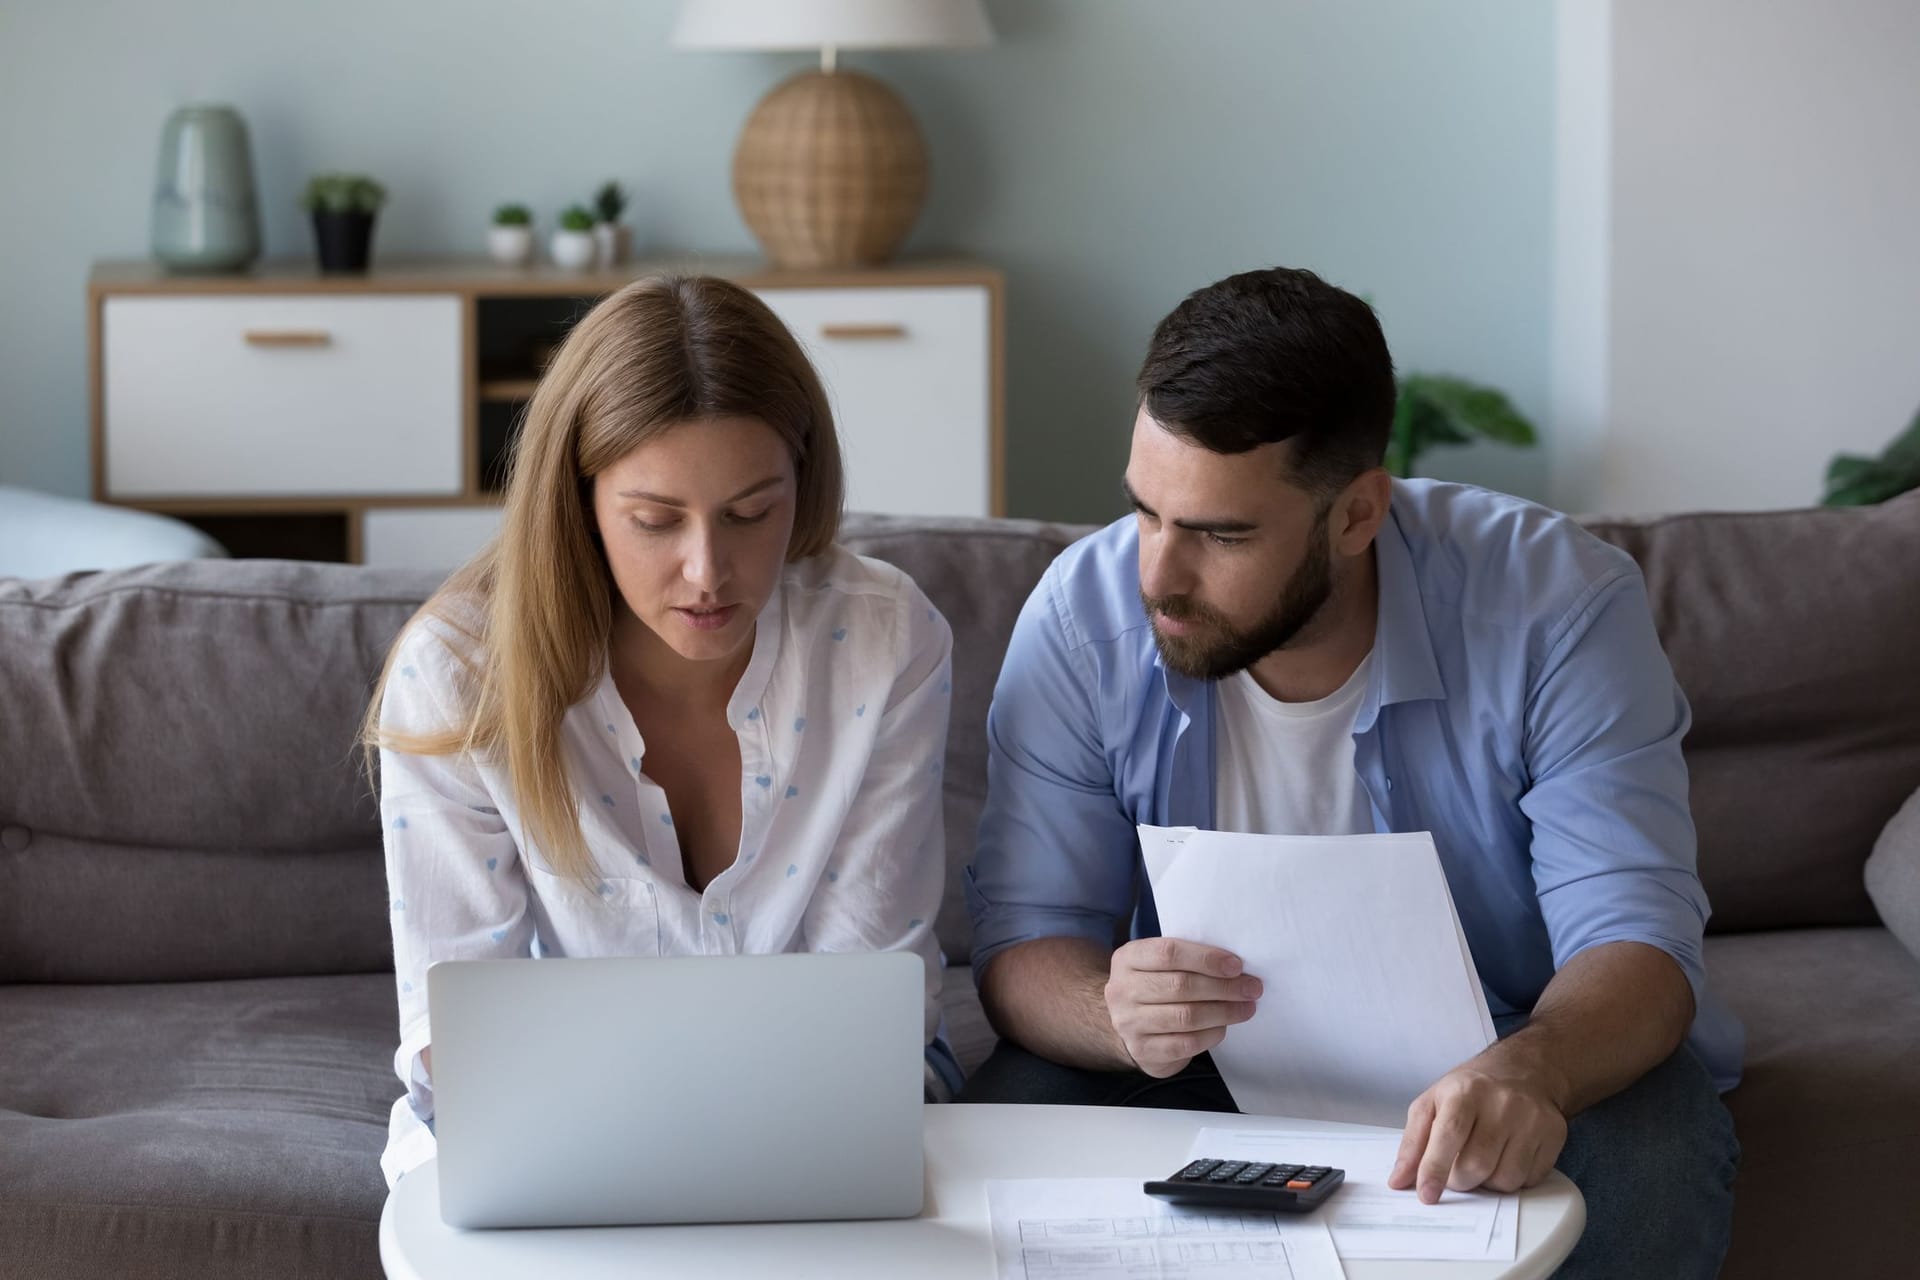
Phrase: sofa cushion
pixel 188 729
pixel 1792 633
pixel 195 1131
pixel 1828 1111
pixel 1893 874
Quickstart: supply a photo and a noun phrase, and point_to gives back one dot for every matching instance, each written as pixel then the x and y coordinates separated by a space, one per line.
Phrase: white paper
pixel 1370 992
pixel 1109 1229
pixel 1368 1218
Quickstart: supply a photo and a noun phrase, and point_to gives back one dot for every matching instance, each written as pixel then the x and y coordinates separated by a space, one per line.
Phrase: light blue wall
pixel 1110 155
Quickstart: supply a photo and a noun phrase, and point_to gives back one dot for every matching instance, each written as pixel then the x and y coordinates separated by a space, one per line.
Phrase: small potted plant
pixel 612 240
pixel 572 244
pixel 343 205
pixel 510 238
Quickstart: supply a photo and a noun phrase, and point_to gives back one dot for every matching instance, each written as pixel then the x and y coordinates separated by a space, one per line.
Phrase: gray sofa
pixel 196 1010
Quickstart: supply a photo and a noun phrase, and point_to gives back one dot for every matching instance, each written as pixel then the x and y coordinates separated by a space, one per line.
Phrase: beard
pixel 1216 649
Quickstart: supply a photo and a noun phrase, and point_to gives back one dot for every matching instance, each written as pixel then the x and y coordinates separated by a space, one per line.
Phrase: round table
pixel 965 1147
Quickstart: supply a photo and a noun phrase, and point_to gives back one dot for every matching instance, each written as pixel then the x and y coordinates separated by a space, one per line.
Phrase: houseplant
pixel 343 206
pixel 1434 409
pixel 572 243
pixel 1857 482
pixel 612 240
pixel 510 238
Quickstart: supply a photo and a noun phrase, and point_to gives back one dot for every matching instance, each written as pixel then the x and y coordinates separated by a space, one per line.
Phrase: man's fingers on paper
pixel 1484 1152
pixel 1177 986
pixel 1202 1015
pixel 1515 1171
pixel 1452 1125
pixel 1413 1143
pixel 1177 953
pixel 1164 1055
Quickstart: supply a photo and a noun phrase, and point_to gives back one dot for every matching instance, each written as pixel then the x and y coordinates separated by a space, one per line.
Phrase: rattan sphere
pixel 831 171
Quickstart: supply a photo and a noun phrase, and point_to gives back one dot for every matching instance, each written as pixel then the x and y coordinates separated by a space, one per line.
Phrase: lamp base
pixel 830 171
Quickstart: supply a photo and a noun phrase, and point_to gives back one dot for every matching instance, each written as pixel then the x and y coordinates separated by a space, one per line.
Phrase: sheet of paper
pixel 1371 995
pixel 1108 1229
pixel 1368 1218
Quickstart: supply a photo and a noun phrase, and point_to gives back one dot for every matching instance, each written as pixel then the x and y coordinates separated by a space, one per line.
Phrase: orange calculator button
pixel 1298 1185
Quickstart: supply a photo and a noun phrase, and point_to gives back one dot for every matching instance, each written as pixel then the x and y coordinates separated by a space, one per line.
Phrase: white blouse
pixel 842 722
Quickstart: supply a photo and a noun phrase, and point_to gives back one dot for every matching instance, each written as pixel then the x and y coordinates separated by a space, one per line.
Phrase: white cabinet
pixel 382 405
pixel 282 396
pixel 908 373
pixel 426 537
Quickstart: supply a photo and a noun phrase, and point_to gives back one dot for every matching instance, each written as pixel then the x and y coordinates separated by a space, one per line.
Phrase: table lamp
pixel 831 169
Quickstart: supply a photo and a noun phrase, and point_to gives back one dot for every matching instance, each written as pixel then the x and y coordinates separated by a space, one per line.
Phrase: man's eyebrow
pixel 1197 526
pixel 665 501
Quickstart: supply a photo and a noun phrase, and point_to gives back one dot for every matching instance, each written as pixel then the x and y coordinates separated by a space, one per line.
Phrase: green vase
pixel 205 215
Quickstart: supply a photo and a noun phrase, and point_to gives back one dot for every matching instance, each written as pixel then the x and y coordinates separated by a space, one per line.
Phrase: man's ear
pixel 1359 511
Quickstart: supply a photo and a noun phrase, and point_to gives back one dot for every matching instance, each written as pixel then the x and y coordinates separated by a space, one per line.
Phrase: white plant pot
pixel 612 243
pixel 572 250
pixel 510 246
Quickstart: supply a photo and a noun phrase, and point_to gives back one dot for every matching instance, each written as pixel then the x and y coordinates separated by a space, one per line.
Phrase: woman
pixel 663 714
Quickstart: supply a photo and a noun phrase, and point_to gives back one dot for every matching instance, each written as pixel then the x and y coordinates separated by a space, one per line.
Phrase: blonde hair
pixel 537 604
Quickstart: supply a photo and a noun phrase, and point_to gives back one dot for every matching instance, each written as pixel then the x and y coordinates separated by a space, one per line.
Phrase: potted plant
pixel 510 238
pixel 1432 409
pixel 343 205
pixel 612 241
pixel 572 244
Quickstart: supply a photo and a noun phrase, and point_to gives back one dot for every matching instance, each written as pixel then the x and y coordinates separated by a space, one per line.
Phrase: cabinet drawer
pixel 426 537
pixel 908 372
pixel 282 396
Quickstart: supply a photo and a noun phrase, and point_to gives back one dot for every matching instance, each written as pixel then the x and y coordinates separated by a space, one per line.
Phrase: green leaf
pixel 1473 410
pixel 1855 481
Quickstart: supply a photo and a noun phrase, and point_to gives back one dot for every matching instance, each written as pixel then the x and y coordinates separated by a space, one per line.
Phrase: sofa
pixel 197 1012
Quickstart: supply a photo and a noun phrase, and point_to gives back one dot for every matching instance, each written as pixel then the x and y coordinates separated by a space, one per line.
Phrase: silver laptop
pixel 686 1089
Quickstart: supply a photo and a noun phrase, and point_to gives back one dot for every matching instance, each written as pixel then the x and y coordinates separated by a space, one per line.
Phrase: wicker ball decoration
pixel 831 171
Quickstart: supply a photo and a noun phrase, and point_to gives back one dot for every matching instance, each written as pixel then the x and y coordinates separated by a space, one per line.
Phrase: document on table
pixel 1371 994
pixel 1369 1219
pixel 1109 1229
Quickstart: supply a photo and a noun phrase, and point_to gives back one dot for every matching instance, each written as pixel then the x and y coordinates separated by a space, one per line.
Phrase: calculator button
pixel 1298 1185
pixel 1198 1169
pixel 1226 1169
pixel 1253 1173
pixel 1275 1180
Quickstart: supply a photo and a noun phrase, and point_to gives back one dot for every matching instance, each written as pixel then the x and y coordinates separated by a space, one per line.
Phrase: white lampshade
pixel 821 24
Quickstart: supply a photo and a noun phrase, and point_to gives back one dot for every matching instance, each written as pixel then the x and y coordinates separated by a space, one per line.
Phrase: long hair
pixel 531 614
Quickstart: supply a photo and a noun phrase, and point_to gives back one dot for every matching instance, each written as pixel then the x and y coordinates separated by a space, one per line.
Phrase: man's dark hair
pixel 1275 355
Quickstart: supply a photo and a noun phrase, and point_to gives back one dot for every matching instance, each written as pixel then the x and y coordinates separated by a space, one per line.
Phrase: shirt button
pixel 1389 784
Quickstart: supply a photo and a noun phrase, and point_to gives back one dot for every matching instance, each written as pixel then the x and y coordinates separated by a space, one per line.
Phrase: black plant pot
pixel 345 240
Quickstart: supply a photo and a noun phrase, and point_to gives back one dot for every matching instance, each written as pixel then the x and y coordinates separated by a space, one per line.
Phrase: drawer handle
pixel 863 332
pixel 288 338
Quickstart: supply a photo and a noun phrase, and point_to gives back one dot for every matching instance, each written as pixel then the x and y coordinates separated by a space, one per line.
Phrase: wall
pixel 1764 249
pixel 1111 155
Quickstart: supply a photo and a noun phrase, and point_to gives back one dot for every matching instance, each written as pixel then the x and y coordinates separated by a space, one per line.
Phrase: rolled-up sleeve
pixel 1056 851
pixel 1613 838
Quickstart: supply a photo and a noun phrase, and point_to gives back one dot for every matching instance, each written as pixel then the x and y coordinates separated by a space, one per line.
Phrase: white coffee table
pixel 966 1146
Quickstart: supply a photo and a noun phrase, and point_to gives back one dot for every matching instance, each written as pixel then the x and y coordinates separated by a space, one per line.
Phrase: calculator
pixel 1250 1184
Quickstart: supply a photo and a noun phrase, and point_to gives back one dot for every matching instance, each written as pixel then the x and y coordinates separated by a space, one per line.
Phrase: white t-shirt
pixel 1286 768
pixel 842 722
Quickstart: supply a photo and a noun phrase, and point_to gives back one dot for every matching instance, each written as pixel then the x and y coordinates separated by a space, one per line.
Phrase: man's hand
pixel 1171 1001
pixel 1491 1122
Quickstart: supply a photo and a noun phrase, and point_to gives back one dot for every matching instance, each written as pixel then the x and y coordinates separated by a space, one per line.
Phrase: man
pixel 1281 639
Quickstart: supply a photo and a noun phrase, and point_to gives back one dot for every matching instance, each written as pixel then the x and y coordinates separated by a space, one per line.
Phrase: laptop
pixel 682 1089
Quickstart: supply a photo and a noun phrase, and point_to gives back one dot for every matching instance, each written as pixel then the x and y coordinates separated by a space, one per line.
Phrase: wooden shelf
pixel 508 390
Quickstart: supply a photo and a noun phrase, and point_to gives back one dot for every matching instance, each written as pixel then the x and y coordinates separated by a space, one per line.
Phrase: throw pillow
pixel 1893 874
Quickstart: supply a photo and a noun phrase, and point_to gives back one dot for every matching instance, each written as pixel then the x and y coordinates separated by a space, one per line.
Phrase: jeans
pixel 1655 1162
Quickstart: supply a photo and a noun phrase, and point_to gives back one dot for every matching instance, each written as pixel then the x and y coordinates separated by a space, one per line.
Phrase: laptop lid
pixel 681 1089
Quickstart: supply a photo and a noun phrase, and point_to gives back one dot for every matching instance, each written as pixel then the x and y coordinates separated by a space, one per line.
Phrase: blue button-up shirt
pixel 1520 708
